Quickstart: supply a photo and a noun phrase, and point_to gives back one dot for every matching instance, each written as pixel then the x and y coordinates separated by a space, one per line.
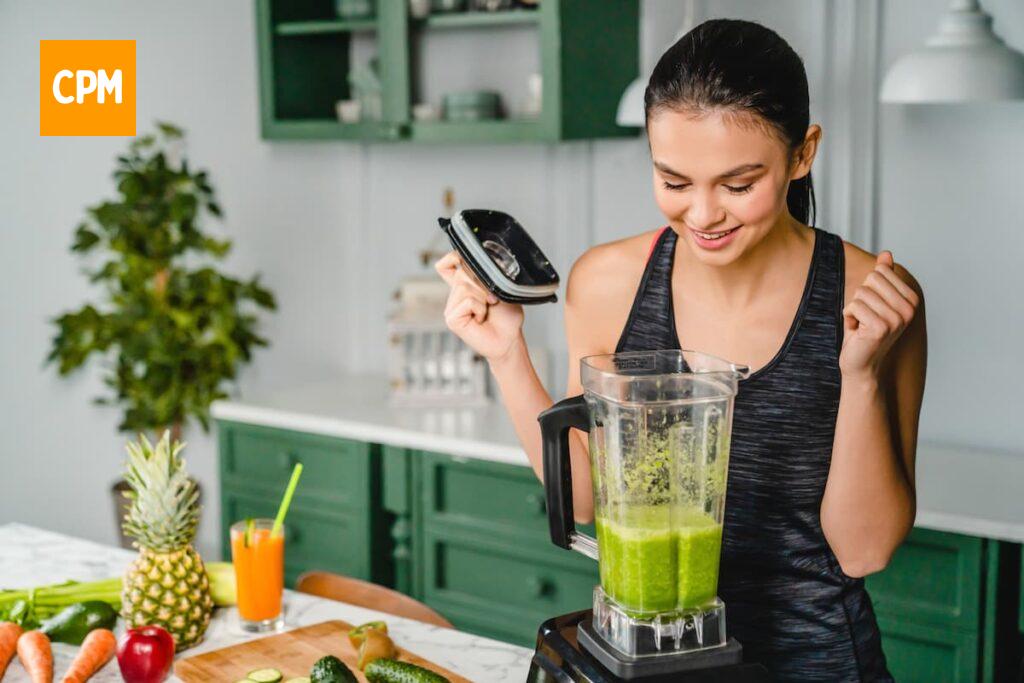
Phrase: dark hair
pixel 739 65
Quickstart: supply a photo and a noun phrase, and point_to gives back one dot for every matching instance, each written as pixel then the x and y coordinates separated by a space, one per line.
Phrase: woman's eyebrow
pixel 739 170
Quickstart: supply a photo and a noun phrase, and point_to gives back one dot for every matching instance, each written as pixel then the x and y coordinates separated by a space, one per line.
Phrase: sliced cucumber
pixel 264 676
pixel 301 679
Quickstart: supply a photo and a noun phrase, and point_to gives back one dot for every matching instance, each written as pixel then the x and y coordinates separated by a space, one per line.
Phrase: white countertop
pixel 960 489
pixel 33 557
pixel 357 407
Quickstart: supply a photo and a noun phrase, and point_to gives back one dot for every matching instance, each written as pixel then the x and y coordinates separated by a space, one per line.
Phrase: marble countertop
pixel 33 557
pixel 960 489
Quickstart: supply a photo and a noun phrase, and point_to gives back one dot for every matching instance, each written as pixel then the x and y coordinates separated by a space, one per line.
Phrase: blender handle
pixel 555 423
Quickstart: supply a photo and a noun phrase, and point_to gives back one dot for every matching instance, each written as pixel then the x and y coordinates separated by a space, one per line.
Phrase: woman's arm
pixel 494 330
pixel 870 502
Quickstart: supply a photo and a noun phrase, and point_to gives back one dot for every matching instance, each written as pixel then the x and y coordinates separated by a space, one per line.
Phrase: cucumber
pixel 264 675
pixel 391 671
pixel 301 679
pixel 72 624
pixel 330 669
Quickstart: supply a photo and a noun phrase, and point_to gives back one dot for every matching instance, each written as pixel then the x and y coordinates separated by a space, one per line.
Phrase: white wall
pixel 334 226
pixel 952 208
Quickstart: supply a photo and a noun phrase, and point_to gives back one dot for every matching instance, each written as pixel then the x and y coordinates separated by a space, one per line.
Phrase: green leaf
pixel 169 130
pixel 85 239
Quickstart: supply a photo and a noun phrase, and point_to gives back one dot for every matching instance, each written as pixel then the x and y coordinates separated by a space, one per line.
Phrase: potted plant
pixel 170 329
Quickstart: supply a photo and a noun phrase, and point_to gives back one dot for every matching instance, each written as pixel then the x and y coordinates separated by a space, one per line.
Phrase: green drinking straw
pixel 287 500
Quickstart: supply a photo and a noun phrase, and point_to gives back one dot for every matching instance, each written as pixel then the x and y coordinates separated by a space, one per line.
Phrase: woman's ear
pixel 804 157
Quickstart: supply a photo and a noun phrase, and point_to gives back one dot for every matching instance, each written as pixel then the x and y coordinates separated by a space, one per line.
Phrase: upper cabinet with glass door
pixel 445 70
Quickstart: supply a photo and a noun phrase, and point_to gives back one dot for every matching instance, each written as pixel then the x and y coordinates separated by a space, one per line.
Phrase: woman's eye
pixel 676 188
pixel 739 190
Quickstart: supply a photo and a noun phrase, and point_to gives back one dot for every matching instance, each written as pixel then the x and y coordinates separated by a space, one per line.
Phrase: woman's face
pixel 720 179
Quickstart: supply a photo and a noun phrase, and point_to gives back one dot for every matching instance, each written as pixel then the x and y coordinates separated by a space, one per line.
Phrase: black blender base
pixel 631 668
pixel 561 657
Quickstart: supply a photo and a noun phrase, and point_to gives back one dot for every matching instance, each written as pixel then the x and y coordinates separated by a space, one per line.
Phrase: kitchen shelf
pixel 328 129
pixel 480 19
pixel 498 130
pixel 588 55
pixel 322 26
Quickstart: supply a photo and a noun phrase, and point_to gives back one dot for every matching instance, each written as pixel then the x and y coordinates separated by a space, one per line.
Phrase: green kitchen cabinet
pixel 589 54
pixel 916 651
pixel 485 557
pixel 335 521
pixel 944 608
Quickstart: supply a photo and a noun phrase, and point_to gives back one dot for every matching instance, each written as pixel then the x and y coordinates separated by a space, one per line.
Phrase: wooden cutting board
pixel 292 653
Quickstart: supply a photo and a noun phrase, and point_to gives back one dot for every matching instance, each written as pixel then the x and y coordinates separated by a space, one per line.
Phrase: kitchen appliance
pixel 502 255
pixel 659 425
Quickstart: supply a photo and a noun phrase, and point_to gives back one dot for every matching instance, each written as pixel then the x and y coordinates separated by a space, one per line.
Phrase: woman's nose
pixel 703 213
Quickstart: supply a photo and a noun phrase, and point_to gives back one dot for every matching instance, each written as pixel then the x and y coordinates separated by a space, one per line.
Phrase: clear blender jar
pixel 659 426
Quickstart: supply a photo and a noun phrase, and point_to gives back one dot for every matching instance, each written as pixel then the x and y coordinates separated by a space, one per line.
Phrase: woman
pixel 821 472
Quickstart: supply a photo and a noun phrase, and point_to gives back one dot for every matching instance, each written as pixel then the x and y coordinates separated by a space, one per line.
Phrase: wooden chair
pixel 369 595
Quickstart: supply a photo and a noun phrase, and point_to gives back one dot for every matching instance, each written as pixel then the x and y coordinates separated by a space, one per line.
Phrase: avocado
pixel 72 624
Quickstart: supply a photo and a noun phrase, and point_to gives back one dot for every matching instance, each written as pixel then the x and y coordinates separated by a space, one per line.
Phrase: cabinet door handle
pixel 539 587
pixel 286 460
pixel 537 501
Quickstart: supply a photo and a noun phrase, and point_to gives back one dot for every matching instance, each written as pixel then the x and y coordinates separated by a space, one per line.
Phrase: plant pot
pixel 122 504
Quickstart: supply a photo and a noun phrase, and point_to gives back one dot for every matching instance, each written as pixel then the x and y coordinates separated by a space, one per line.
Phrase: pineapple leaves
pixel 164 511
pixel 169 328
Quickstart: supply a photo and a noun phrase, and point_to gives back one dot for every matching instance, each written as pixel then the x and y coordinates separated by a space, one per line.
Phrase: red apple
pixel 145 654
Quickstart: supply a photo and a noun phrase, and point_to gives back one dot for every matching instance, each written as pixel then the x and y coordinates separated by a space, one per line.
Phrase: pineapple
pixel 167 584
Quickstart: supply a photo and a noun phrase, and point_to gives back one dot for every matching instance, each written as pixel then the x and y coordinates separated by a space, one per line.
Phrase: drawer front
pixel 335 470
pixel 917 653
pixel 934 578
pixel 502 582
pixel 314 539
pixel 492 496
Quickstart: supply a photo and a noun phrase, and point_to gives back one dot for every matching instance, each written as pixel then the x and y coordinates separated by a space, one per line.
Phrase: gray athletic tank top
pixel 787 600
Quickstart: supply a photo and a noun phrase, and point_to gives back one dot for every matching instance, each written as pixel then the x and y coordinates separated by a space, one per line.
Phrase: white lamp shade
pixel 631 105
pixel 963 62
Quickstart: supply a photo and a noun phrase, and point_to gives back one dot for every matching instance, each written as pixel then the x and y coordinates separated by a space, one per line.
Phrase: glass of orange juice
pixel 258 557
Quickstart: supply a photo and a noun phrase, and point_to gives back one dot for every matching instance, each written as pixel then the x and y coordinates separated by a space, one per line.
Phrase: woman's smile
pixel 714 240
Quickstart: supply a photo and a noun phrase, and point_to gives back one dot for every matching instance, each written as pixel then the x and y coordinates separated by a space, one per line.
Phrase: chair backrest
pixel 369 595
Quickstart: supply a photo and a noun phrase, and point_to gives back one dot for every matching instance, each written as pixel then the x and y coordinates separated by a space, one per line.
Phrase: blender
pixel 659 425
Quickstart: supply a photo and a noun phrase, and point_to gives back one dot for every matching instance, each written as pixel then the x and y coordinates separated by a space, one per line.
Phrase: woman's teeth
pixel 713 235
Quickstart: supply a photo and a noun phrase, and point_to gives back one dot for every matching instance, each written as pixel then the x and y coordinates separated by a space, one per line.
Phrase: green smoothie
pixel 657 560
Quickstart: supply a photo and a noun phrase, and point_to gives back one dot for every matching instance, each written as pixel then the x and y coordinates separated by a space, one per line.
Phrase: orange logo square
pixel 87 87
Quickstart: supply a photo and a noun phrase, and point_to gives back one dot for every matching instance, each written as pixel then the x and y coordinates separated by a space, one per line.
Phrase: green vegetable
pixel 330 669
pixel 75 622
pixel 264 675
pixel 391 671
pixel 301 679
pixel 30 606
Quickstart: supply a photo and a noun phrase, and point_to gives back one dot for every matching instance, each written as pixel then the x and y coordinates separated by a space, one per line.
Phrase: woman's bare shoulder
pixel 860 263
pixel 600 292
pixel 610 271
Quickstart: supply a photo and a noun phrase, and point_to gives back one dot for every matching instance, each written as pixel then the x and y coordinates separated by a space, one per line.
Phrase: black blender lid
pixel 502 255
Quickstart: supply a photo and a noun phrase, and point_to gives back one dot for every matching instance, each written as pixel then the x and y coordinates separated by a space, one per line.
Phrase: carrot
pixel 97 649
pixel 9 633
pixel 36 656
